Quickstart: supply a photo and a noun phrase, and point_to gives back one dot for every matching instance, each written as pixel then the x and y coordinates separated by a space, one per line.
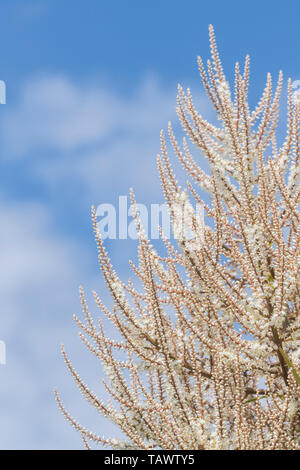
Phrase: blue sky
pixel 89 86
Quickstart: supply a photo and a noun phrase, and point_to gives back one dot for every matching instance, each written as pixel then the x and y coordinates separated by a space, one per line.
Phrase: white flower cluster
pixel 210 347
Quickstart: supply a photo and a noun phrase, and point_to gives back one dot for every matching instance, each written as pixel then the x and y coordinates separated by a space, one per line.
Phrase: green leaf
pixel 254 399
pixel 291 365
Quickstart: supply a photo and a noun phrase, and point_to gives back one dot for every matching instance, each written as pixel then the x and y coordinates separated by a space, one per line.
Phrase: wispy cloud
pixel 91 136
pixel 38 283
pixel 95 143
pixel 56 113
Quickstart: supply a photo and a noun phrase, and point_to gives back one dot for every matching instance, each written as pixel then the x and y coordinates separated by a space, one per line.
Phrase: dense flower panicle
pixel 212 356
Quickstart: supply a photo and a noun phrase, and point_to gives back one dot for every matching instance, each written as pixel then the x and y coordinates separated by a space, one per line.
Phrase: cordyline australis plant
pixel 212 355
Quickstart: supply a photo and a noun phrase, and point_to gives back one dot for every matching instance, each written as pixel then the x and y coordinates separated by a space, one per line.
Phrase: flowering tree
pixel 212 341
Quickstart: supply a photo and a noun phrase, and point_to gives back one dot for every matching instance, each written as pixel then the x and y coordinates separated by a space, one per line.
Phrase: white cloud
pixel 97 143
pixel 91 136
pixel 41 271
pixel 53 112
